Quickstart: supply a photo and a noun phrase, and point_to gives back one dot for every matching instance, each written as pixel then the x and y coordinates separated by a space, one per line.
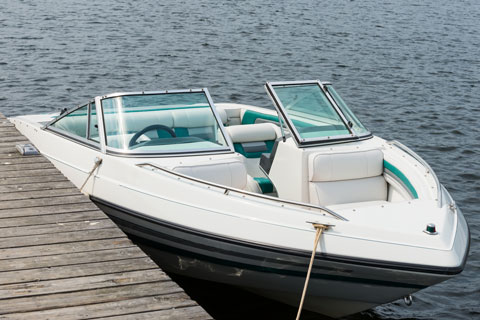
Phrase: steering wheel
pixel 152 127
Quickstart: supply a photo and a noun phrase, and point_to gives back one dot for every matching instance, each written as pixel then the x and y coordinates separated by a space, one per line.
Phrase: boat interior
pixel 272 154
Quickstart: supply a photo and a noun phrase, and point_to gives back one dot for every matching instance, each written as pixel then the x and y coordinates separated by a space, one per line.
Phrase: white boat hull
pixel 339 286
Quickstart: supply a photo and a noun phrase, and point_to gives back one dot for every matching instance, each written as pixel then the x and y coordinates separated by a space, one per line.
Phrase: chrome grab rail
pixel 230 189
pixel 429 169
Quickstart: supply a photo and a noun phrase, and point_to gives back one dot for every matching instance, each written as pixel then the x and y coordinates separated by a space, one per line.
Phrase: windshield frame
pixel 132 153
pixel 85 141
pixel 305 142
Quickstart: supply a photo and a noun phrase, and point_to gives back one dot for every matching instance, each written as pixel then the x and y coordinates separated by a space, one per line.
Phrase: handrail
pixel 230 189
pixel 410 152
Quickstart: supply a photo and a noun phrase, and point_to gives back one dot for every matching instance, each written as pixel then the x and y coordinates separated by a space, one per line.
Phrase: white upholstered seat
pixel 253 132
pixel 231 174
pixel 340 178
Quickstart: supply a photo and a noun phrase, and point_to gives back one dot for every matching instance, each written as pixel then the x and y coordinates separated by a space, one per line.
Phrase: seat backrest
pixel 197 122
pixel 339 178
pixel 231 174
pixel 136 121
pixel 223 115
pixel 185 122
pixel 252 140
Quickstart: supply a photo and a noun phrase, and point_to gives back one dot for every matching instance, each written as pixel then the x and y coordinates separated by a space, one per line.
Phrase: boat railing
pixel 429 169
pixel 227 190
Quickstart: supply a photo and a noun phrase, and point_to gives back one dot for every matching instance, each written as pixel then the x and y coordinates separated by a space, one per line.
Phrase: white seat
pixel 197 122
pixel 253 132
pixel 222 114
pixel 340 178
pixel 253 140
pixel 231 174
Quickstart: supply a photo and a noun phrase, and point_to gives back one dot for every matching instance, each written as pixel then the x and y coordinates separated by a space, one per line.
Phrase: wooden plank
pixel 73 271
pixel 108 309
pixel 190 313
pixel 9 144
pixel 7 129
pixel 14 166
pixel 77 298
pixel 36 194
pixel 60 238
pixel 55 228
pixel 69 258
pixel 51 218
pixel 16 155
pixel 87 282
pixel 36 186
pixel 13 204
pixel 8 150
pixel 24 159
pixel 47 210
pixel 42 179
pixel 28 173
pixel 62 248
pixel 15 139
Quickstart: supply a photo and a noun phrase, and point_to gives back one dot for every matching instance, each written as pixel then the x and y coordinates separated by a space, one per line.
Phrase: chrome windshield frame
pixel 129 153
pixel 66 113
pixel 325 85
pixel 306 142
pixel 84 141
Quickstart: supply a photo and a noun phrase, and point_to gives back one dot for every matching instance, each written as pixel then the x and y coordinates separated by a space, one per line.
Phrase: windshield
pixel 311 114
pixel 354 122
pixel 159 123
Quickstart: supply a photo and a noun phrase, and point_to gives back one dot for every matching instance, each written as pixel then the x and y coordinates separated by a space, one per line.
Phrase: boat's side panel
pixel 265 269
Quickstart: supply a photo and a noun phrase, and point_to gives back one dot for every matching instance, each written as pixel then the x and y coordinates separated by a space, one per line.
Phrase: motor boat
pixel 232 193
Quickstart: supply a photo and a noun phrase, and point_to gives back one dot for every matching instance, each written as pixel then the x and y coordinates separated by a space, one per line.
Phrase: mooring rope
pixel 98 162
pixel 320 228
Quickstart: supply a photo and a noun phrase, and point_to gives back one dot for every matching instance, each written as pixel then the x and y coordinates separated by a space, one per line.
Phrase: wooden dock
pixel 63 258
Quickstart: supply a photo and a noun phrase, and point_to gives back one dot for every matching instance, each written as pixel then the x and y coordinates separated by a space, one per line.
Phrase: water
pixel 410 70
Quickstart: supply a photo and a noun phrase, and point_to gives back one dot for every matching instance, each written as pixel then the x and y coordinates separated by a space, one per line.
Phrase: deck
pixel 63 258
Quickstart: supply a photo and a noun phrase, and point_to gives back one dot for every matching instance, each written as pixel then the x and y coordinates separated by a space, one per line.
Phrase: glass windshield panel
pixel 310 111
pixel 356 124
pixel 171 122
pixel 74 123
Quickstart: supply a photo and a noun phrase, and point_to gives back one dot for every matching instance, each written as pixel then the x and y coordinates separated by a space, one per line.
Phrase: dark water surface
pixel 409 69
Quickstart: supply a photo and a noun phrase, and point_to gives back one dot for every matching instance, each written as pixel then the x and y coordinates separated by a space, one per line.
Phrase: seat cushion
pixel 222 114
pixel 338 178
pixel 265 184
pixel 345 166
pixel 252 140
pixel 231 174
pixel 252 132
pixel 348 191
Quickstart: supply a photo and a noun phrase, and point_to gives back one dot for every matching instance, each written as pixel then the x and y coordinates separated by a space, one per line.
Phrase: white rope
pixel 98 162
pixel 320 228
